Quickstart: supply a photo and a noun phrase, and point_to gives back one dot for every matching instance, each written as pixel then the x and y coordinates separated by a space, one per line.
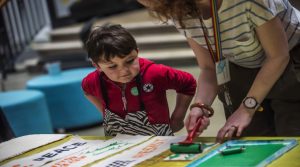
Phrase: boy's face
pixel 121 70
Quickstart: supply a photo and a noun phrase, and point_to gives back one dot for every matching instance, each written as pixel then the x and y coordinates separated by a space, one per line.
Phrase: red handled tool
pixel 187 146
pixel 192 135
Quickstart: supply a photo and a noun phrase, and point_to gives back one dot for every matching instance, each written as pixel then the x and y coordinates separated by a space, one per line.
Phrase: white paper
pixel 72 146
pixel 141 152
pixel 22 144
pixel 96 151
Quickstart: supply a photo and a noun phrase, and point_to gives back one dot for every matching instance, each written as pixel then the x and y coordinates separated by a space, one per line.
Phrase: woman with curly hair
pixel 256 42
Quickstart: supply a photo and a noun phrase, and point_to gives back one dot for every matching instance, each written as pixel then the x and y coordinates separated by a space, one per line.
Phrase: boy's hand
pixel 176 125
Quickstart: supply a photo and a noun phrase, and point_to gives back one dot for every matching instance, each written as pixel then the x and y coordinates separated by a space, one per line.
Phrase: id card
pixel 222 71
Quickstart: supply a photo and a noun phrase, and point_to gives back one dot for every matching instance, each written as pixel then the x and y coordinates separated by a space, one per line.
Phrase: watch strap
pixel 257 107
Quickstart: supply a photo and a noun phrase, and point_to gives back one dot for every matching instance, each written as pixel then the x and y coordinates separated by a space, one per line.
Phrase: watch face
pixel 250 102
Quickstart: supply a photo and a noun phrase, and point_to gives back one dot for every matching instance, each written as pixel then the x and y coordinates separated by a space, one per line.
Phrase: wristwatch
pixel 251 103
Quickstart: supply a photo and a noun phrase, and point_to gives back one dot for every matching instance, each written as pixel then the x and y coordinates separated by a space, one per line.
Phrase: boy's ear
pixel 96 66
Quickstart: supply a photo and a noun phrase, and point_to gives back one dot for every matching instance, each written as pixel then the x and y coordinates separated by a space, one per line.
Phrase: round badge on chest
pixel 134 91
pixel 148 87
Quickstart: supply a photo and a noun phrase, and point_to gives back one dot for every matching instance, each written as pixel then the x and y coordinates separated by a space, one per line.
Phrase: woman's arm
pixel 274 41
pixel 207 86
pixel 207 82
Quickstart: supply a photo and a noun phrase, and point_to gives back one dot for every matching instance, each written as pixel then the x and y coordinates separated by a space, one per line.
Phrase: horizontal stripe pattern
pixel 238 19
pixel 136 123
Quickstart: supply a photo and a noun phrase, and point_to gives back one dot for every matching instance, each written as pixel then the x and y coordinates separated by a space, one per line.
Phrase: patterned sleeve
pixel 261 11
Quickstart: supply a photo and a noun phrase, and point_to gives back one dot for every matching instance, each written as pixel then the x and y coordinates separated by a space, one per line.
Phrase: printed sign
pixel 98 151
pixel 142 152
pixel 25 143
pixel 74 145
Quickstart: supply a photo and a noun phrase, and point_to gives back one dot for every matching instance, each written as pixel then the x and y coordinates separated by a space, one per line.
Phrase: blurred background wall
pixel 21 22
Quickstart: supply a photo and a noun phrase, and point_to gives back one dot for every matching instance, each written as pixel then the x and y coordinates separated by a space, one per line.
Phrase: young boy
pixel 131 91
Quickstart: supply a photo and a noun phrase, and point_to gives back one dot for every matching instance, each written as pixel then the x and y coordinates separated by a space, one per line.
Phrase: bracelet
pixel 204 106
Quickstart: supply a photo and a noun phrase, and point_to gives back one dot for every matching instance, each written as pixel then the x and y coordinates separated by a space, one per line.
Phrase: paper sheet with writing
pixel 72 146
pixel 96 152
pixel 22 144
pixel 140 153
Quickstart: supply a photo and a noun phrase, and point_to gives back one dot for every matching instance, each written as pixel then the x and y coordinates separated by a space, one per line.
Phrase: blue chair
pixel 67 105
pixel 26 112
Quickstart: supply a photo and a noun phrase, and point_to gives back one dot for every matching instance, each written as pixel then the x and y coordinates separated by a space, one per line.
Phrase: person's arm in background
pixel 274 41
pixel 207 86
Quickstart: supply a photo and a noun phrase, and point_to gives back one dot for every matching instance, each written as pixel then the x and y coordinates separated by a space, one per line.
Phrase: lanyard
pixel 216 29
pixel 216 56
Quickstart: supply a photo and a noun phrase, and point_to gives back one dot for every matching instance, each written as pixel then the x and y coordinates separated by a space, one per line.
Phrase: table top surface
pixel 290 159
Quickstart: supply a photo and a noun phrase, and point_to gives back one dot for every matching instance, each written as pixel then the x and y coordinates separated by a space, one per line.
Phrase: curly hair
pixel 174 9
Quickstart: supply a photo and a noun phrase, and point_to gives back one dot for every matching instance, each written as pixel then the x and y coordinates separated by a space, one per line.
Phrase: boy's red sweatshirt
pixel 157 76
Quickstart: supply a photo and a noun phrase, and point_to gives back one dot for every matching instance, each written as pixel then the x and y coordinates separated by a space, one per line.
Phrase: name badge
pixel 222 71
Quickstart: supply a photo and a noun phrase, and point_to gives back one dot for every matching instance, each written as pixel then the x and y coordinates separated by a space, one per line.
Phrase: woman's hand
pixel 191 120
pixel 235 124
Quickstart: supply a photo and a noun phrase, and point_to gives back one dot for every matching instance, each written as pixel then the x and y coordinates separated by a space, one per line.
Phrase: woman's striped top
pixel 238 19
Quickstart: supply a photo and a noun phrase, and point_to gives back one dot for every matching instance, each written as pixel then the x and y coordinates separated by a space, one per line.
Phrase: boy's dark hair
pixel 107 41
